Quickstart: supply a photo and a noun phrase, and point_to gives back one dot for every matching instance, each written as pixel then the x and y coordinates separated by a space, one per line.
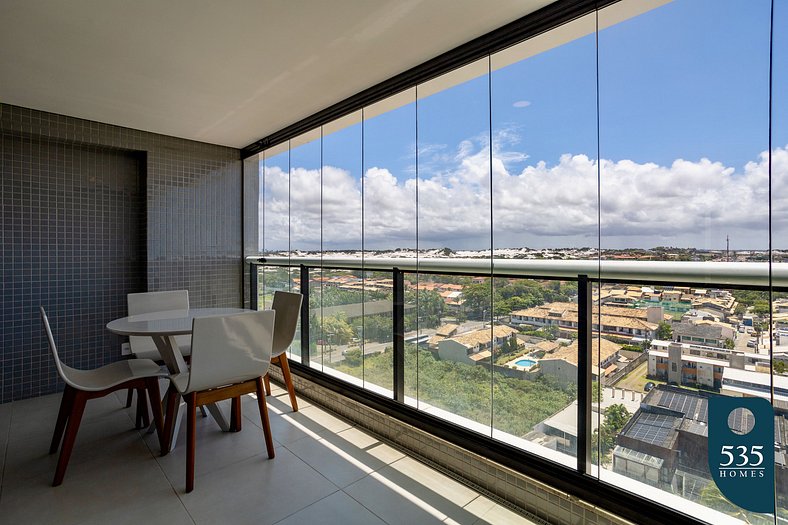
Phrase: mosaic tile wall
pixel 91 212
pixel 530 497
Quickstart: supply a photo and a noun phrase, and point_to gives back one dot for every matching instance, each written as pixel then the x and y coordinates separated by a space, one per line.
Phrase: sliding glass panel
pixel 343 293
pixel 343 327
pixel 454 221
pixel 305 230
pixel 684 123
pixel 275 218
pixel 305 194
pixel 544 206
pixel 253 225
pixel 779 209
pixel 389 223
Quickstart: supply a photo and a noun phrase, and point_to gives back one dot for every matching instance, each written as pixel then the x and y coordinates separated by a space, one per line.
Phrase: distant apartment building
pixel 707 333
pixel 561 364
pixel 475 346
pixel 693 364
pixel 613 321
pixel 679 368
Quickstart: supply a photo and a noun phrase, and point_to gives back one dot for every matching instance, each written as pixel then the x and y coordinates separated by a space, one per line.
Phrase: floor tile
pixel 113 485
pixel 27 453
pixel 256 491
pixel 325 471
pixel 499 515
pixel 339 461
pixel 395 505
pixel 410 492
pixel 450 489
pixel 167 511
pixel 335 509
pixel 214 449
pixel 288 426
pixel 5 429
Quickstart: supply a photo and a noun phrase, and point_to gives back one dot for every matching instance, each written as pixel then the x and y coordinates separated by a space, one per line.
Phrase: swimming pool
pixel 525 362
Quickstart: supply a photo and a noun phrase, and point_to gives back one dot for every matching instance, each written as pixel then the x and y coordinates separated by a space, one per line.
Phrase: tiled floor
pixel 326 471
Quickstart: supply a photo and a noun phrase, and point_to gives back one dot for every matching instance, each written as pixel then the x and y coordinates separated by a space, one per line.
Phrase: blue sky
pixel 677 85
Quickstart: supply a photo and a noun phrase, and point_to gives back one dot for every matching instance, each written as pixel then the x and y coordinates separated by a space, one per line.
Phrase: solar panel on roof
pixel 656 429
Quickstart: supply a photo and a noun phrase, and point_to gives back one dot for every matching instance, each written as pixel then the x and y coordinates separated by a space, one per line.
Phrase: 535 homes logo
pixel 741 451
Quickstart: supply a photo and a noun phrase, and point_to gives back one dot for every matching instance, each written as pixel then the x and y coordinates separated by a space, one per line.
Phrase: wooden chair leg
pixel 263 406
pixel 235 415
pixel 169 419
pixel 191 441
pixel 74 419
pixel 66 404
pixel 143 418
pixel 152 383
pixel 129 395
pixel 267 381
pixel 288 381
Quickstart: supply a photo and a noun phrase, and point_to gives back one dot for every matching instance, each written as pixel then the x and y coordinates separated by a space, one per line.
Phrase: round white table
pixel 162 327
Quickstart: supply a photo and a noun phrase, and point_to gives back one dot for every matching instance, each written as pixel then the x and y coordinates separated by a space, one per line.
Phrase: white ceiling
pixel 226 72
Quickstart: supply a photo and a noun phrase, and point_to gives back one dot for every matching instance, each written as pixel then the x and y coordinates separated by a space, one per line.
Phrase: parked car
pixel 752 343
pixel 648 386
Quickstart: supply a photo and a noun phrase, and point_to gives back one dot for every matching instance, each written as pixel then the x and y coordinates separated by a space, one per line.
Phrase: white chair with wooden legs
pixel 287 306
pixel 151 302
pixel 230 356
pixel 81 385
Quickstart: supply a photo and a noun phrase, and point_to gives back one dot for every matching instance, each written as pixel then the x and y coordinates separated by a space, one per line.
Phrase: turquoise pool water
pixel 525 362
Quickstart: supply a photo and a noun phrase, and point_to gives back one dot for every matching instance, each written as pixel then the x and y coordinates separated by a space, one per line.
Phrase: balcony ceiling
pixel 222 72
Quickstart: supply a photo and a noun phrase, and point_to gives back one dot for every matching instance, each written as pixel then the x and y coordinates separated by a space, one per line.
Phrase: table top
pixel 171 322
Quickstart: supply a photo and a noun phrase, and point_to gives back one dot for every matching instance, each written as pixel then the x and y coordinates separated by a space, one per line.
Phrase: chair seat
pixel 114 374
pixel 181 382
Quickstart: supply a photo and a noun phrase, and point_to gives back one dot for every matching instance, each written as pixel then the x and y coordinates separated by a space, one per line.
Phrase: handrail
pixel 754 274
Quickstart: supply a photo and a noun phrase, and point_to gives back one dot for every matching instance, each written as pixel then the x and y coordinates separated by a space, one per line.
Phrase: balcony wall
pixel 92 212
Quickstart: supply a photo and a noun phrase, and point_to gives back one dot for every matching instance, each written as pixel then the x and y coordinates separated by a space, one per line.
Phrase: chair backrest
pixel 230 349
pixel 66 372
pixel 149 302
pixel 287 306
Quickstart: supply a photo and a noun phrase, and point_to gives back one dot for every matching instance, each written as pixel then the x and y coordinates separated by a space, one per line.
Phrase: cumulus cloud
pixel 687 203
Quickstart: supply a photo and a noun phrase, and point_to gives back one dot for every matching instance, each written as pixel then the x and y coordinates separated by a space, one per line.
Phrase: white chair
pixel 82 385
pixel 287 306
pixel 230 356
pixel 150 302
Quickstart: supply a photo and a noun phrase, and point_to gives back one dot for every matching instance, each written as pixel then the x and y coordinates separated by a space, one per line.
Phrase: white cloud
pixel 688 203
pixel 521 104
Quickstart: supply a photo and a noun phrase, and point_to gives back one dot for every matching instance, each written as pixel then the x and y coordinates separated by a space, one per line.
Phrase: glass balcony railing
pixel 576 362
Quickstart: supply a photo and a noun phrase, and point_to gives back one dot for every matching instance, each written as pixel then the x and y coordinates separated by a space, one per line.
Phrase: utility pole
pixel 727 248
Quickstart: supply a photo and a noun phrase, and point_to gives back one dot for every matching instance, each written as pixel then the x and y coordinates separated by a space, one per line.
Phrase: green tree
pixel 729 344
pixel 761 308
pixel 337 330
pixel 664 331
pixel 616 416
pixel 378 328
pixel 779 367
pixel 476 297
pixel 430 310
